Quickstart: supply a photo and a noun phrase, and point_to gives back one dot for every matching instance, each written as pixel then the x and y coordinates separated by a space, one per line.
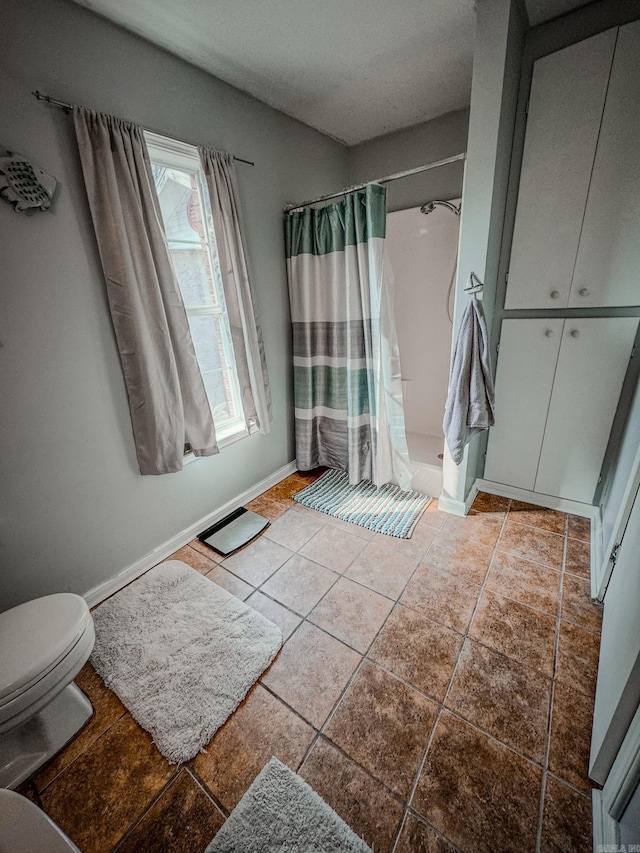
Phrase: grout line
pixel 359 667
pixel 556 647
pixel 423 760
pixel 150 804
pixel 200 781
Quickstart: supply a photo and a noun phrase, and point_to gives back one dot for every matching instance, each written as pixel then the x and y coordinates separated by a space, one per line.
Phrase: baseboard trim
pixel 450 505
pixel 124 576
pixel 605 829
pixel 563 505
pixel 549 501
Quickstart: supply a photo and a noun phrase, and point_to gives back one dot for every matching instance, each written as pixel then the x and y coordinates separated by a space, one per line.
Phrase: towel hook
pixel 474 285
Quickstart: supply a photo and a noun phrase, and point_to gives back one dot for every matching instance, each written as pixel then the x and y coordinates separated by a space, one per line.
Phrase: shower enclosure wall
pixel 422 251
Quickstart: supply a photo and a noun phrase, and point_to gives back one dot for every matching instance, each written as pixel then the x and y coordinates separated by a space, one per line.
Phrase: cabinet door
pixel 565 108
pixel 608 263
pixel 524 378
pixel 592 364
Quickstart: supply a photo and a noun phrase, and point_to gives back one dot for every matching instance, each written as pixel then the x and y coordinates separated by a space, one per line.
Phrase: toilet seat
pixel 45 643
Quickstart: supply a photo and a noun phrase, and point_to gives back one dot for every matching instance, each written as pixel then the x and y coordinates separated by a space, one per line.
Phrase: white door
pixel 592 364
pixel 607 268
pixel 618 686
pixel 565 108
pixel 524 379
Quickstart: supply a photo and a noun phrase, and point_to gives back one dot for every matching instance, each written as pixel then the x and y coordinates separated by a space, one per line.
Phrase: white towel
pixel 469 408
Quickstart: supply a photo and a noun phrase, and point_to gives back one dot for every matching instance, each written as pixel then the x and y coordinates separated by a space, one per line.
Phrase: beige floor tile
pixel 418 650
pixel 352 613
pixel 261 728
pixel 532 543
pixel 383 725
pixel 502 698
pixel 258 561
pixel 334 548
pixel 382 570
pixel 311 672
pixel 521 633
pixel 293 530
pixel 476 792
pixel 300 584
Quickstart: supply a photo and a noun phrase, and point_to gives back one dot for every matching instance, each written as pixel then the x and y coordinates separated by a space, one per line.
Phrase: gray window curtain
pixel 167 399
pixel 246 334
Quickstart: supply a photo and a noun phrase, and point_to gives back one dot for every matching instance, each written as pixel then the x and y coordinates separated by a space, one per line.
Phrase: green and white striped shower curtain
pixel 348 394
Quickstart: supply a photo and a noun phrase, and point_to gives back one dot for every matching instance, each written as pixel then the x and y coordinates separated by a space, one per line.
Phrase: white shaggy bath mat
pixel 181 653
pixel 280 812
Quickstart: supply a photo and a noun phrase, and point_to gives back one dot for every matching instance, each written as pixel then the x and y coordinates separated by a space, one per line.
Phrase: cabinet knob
pixel 554 294
pixel 574 333
pixel 584 291
pixel 548 333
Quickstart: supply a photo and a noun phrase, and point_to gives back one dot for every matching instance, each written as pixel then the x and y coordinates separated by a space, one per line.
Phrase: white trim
pixel 597 554
pixel 604 565
pixel 605 828
pixel 563 505
pixel 624 775
pixel 454 507
pixel 549 501
pixel 122 578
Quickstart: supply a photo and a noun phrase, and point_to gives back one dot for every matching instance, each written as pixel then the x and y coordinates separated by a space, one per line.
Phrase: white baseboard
pixel 605 829
pixel 563 505
pixel 447 504
pixel 549 501
pixel 124 576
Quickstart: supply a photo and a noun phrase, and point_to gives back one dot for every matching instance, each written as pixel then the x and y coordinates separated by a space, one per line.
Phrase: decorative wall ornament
pixel 25 184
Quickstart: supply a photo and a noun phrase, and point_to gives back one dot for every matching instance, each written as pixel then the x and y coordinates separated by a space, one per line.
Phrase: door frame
pixel 610 802
pixel 604 565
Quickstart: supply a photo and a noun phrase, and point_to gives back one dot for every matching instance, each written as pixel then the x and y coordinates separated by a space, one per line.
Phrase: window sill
pixel 223 441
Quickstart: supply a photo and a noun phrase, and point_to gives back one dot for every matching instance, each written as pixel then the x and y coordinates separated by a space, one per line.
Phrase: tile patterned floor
pixel 437 693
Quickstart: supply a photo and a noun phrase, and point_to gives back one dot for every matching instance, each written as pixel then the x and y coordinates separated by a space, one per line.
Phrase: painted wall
pixel 497 57
pixel 405 149
pixel 422 251
pixel 74 509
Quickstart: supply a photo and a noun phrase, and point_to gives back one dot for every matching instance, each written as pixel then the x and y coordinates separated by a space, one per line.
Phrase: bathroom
pixel 76 516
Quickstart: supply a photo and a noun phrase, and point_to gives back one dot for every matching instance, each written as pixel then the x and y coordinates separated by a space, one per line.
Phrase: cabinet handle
pixel 548 333
pixel 584 291
pixel 574 333
pixel 554 294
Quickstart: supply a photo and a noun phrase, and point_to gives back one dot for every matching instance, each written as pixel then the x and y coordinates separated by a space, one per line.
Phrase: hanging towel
pixel 469 408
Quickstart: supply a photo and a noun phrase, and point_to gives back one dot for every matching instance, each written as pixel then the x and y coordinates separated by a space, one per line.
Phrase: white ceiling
pixel 353 69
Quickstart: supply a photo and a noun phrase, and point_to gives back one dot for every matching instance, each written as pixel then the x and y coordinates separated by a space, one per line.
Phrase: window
pixel 184 202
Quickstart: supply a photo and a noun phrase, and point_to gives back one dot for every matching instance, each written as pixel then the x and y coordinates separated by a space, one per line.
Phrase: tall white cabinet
pixel 576 240
pixel 576 244
pixel 557 388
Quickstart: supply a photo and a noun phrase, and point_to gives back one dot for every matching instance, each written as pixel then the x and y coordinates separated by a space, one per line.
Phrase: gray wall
pixel 73 508
pixel 405 149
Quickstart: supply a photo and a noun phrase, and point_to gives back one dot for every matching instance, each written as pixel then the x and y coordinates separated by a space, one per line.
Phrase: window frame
pixel 181 156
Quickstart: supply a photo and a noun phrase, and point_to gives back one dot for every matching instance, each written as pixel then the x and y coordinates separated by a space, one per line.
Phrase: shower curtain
pixel 348 395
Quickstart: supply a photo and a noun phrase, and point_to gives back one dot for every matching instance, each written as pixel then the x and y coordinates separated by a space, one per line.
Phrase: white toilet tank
pixel 24 828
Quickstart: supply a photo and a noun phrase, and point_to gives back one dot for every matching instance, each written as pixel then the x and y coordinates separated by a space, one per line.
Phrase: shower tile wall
pixel 422 251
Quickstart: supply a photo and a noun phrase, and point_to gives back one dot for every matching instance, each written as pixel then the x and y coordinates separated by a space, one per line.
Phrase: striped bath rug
pixel 384 509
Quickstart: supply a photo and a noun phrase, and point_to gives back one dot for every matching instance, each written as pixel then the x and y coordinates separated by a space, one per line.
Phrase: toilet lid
pixel 35 635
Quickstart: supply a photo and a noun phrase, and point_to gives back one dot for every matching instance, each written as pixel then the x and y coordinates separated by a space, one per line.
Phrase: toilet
pixel 44 643
pixel 24 828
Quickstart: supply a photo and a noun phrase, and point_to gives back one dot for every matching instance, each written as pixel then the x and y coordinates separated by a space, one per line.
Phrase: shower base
pixel 426 464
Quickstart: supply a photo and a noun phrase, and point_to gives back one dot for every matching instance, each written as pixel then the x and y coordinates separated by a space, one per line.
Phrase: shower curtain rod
pixel 289 207
pixel 69 108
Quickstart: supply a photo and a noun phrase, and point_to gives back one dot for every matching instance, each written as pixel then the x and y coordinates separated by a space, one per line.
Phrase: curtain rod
pixel 289 207
pixel 69 108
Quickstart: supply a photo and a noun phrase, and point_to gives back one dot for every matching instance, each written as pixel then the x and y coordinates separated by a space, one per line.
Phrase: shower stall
pixel 422 247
